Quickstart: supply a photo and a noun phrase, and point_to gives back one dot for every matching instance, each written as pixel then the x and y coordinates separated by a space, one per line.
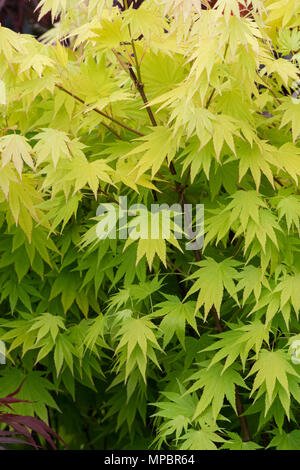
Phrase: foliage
pixel 22 425
pixel 141 343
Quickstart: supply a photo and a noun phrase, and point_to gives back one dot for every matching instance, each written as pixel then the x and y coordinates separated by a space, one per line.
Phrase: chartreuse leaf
pixel 136 345
pixel 257 159
pixel 60 210
pixel 289 208
pixel 158 145
pixel 47 323
pixel 176 315
pixel 63 352
pixel 289 292
pixel 55 7
pixel 217 384
pixel 23 201
pixel 152 230
pixel 165 102
pixel 252 279
pixel 10 43
pixel 54 145
pixel 286 441
pixel 237 443
pixel 15 148
pixel 291 113
pixel 273 369
pixel 95 332
pixel 288 40
pixel 211 280
pixel 201 439
pixel 238 342
pixel 91 173
pixel 66 284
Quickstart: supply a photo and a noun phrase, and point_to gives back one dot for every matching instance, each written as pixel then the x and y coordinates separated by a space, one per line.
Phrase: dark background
pixel 20 15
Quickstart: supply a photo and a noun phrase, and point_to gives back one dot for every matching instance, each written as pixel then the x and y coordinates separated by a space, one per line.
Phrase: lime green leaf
pixel 211 280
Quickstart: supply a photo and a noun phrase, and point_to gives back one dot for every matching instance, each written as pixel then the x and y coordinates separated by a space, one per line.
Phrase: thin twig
pixel 102 113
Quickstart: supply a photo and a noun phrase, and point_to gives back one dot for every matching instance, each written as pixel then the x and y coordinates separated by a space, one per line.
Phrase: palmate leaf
pixel 291 113
pixel 176 315
pixel 136 345
pixel 158 145
pixel 126 170
pixel 63 352
pixel 252 280
pixel 11 43
pixel 84 80
pixel 281 299
pixel 152 232
pixel 264 232
pixel 197 158
pixel 273 369
pixel 91 173
pixel 287 159
pixel 60 210
pixel 238 342
pixel 176 410
pixel 67 284
pixel 289 292
pixel 288 41
pixel 95 332
pixel 15 148
pixel 141 19
pixel 186 8
pixel 47 323
pixel 23 201
pixel 211 280
pixel 54 144
pixel 256 159
pixel 237 443
pixel 282 69
pixel 36 61
pixel 55 7
pixel 217 384
pixel 201 439
pixel 282 13
pixel 286 441
pixel 243 214
pixel 289 208
pixel 245 205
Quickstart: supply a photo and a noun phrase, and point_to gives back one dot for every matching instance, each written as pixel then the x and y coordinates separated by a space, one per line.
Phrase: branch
pixel 102 113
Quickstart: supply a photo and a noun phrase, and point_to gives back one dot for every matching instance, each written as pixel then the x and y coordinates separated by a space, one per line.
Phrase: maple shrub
pixel 142 343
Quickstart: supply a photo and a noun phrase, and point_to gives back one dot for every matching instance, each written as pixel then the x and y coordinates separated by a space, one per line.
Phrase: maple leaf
pixel 215 277
pixel 256 159
pixel 157 146
pixel 54 144
pixel 55 7
pixel 238 342
pixel 92 173
pixel 273 368
pixel 201 439
pixel 15 148
pixel 176 314
pixel 10 43
pixel 216 384
pixel 138 342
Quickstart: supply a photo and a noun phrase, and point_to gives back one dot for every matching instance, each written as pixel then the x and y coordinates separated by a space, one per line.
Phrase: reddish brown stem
pixel 102 113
